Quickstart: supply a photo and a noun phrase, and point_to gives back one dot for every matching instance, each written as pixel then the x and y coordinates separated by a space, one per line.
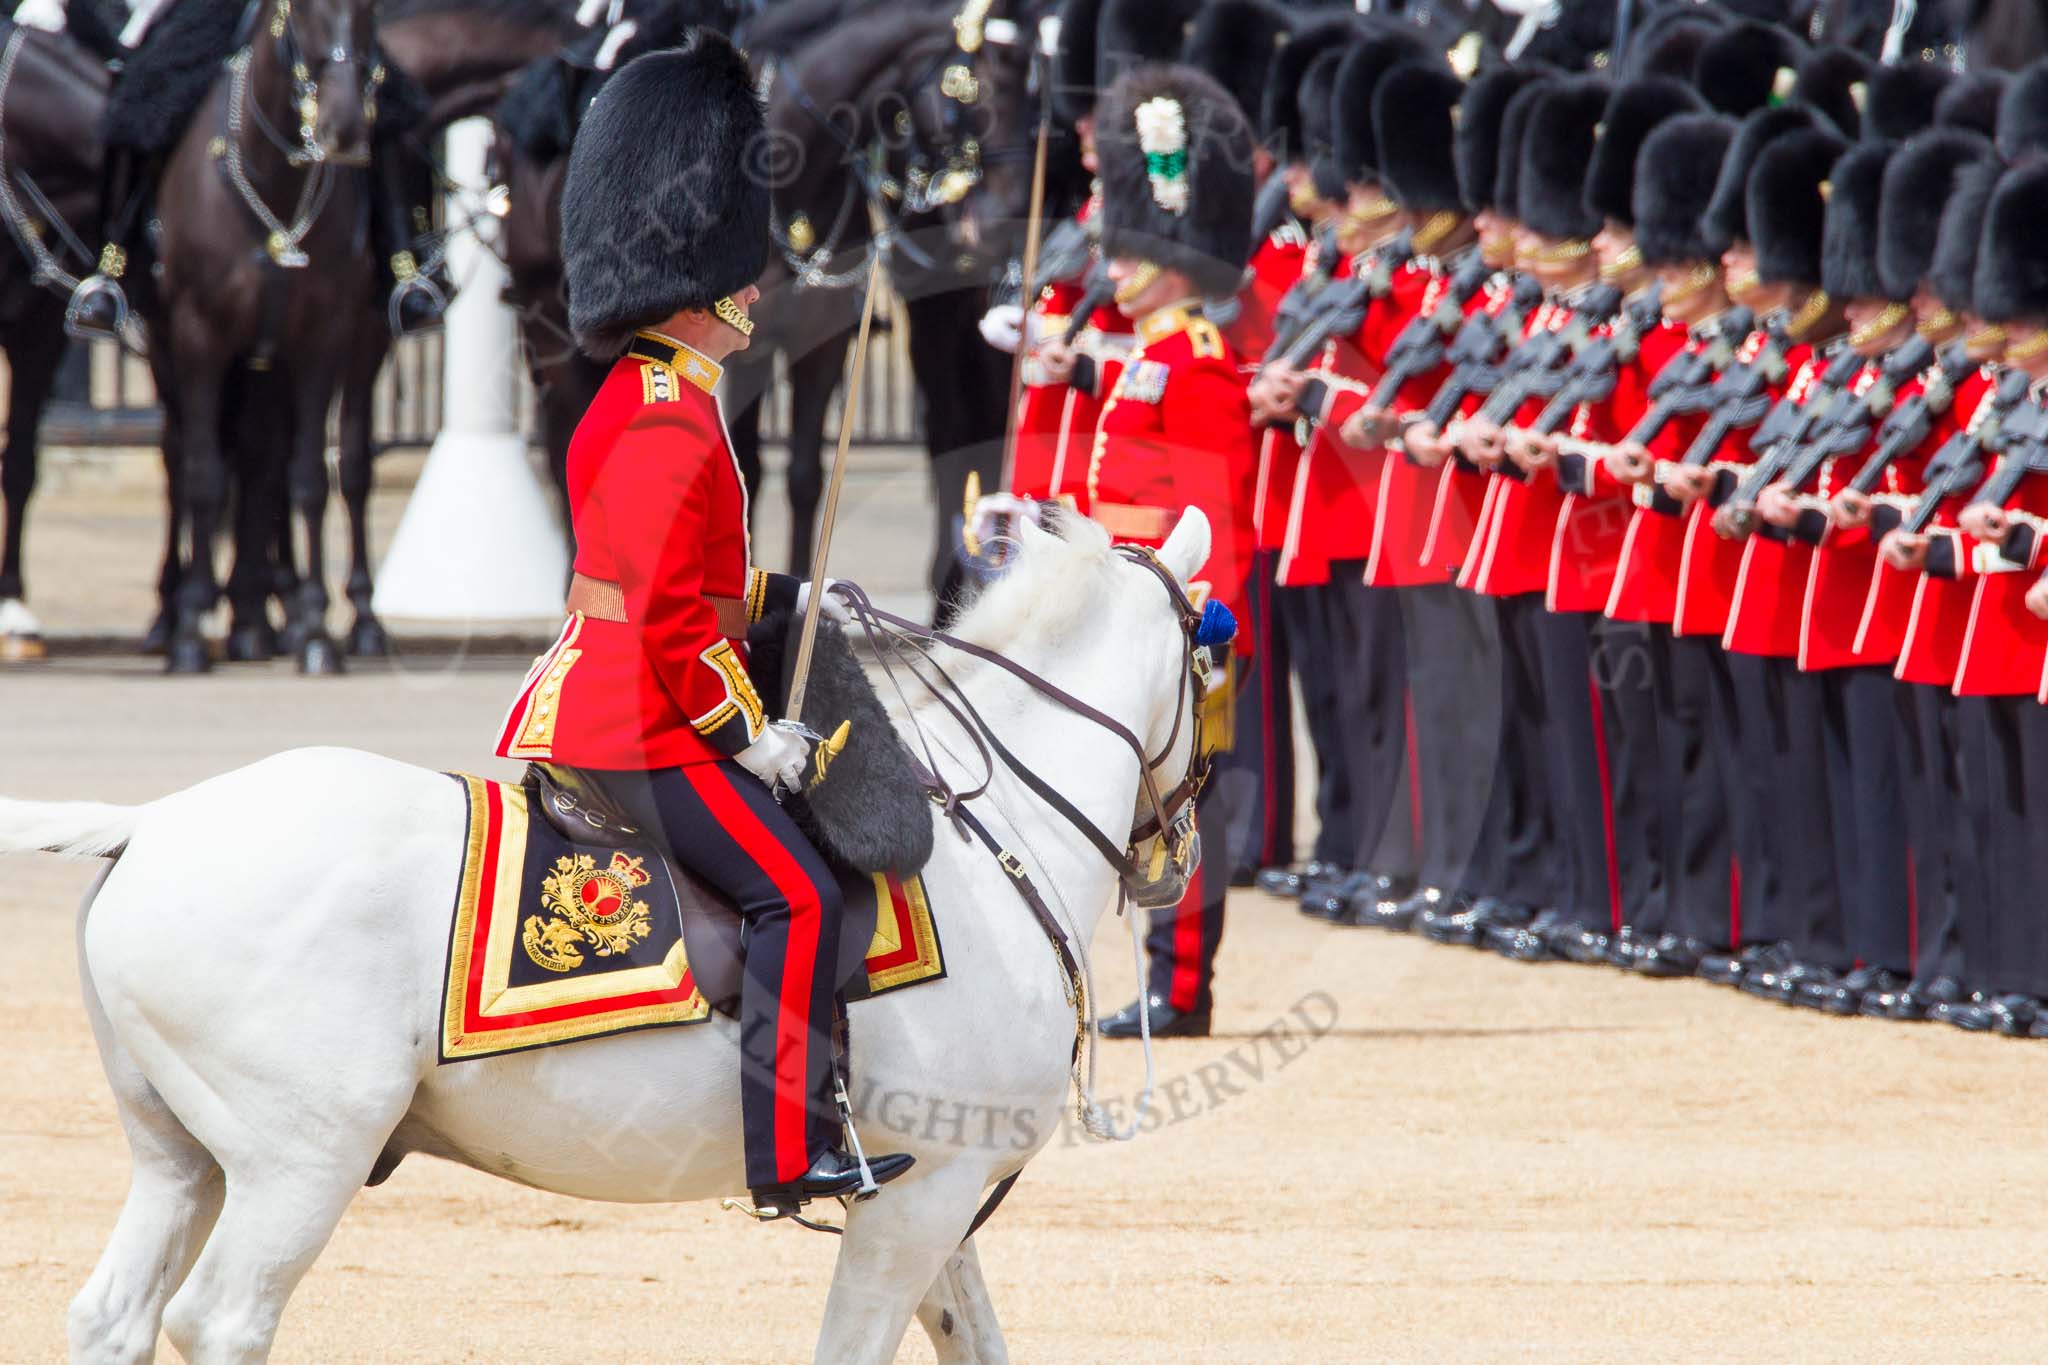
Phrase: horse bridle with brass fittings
pixel 1168 814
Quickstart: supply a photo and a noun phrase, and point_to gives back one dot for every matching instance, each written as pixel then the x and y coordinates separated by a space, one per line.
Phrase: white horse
pixel 271 1032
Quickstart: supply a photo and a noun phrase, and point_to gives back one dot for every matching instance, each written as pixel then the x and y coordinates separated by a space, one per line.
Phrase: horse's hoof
pixel 319 658
pixel 367 640
pixel 252 644
pixel 157 639
pixel 187 655
pixel 292 640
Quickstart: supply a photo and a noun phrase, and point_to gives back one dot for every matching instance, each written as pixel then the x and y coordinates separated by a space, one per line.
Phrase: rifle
pixel 1535 370
pixel 1423 341
pixel 1063 255
pixel 1738 397
pixel 2022 445
pixel 1686 383
pixel 1476 352
pixel 1847 428
pixel 1593 369
pixel 1958 466
pixel 1302 297
pixel 1100 289
pixel 1910 421
pixel 1344 303
pixel 1786 431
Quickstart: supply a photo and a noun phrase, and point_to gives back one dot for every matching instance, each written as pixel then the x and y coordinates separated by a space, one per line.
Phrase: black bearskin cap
pixel 1744 65
pixel 1415 117
pixel 1849 267
pixel 1836 81
pixel 1787 205
pixel 1281 112
pixel 1073 59
pixel 2023 113
pixel 1480 114
pixel 1235 41
pixel 1563 127
pixel 1633 111
pixel 1584 29
pixel 1971 101
pixel 654 224
pixel 1902 99
pixel 1134 32
pixel 2011 282
pixel 1514 130
pixel 1918 182
pixel 1727 218
pixel 1351 125
pixel 1954 273
pixel 1669 42
pixel 1210 238
pixel 1674 179
pixel 1318 137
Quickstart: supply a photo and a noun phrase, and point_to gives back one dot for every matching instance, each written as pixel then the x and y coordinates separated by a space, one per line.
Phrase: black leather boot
pixel 833 1174
pixel 1167 1022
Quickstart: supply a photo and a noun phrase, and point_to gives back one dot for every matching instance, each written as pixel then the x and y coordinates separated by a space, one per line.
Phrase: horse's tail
pixel 77 829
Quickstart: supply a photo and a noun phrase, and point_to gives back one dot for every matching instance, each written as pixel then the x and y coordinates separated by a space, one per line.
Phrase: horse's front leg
pixel 202 372
pixel 312 394
pixel 959 1316
pixel 895 1246
pixel 366 637
pixel 32 372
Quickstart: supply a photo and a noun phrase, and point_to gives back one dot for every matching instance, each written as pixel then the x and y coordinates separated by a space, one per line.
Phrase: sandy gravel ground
pixel 1439 1156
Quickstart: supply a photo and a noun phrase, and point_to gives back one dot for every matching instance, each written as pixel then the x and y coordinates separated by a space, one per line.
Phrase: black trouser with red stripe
pixel 1182 939
pixel 1305 614
pixel 1867 799
pixel 1258 816
pixel 722 823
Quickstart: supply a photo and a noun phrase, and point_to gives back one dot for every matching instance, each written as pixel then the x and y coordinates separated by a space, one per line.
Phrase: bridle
pixel 306 90
pixel 1166 815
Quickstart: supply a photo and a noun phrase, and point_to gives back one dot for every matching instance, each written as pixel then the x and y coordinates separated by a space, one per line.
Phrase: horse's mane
pixel 1049 589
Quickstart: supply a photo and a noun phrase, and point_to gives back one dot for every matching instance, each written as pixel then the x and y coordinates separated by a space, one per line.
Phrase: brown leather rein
pixel 1166 807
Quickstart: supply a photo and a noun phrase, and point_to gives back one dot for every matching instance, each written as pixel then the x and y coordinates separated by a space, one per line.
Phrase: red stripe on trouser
pixel 1187 946
pixel 793 1018
pixel 1411 746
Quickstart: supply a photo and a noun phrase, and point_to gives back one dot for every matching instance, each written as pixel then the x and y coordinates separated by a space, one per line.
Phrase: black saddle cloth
pixel 165 80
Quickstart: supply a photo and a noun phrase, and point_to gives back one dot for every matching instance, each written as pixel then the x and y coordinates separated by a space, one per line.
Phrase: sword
pixel 1031 240
pixel 800 677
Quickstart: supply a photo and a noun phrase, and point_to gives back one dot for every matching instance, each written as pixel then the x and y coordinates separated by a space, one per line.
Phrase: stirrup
pixel 90 289
pixel 408 279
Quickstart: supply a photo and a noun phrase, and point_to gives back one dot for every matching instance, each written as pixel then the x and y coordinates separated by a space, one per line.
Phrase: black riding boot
pixel 419 295
pixel 99 307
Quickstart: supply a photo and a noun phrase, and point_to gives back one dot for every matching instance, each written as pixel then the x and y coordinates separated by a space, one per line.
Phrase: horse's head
pixel 1003 114
pixel 1115 628
pixel 330 46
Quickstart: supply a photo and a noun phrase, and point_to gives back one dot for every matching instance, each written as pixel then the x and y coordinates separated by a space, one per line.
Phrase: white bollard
pixel 480 539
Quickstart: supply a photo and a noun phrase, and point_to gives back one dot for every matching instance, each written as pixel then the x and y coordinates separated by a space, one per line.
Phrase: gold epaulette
pixel 1206 338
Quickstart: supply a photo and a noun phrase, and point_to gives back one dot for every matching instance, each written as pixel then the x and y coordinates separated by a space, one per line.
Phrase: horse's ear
pixel 1187 549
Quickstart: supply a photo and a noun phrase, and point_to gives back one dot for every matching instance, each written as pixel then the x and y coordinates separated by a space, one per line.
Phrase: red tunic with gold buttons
pixel 1518 522
pixel 1594 529
pixel 1751 592
pixel 1461 490
pixel 1275 267
pixel 1650 563
pixel 658 507
pixel 1405 507
pixel 2005 646
pixel 1306 545
pixel 1176 433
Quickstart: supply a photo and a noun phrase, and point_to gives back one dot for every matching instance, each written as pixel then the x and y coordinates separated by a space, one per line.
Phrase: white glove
pixel 832 609
pixel 47 15
pixel 1003 327
pixel 778 756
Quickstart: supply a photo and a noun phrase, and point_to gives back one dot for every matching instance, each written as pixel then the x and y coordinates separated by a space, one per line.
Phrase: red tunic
pixel 1518 522
pixel 658 506
pixel 1649 565
pixel 1939 607
pixel 1594 527
pixel 2004 644
pixel 1751 591
pixel 1175 433
pixel 1056 421
pixel 1275 267
pixel 1460 489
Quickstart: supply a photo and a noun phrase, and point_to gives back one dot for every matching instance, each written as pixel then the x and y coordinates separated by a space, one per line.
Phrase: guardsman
pixel 1237 42
pixel 1862 699
pixel 1071 370
pixel 1305 73
pixel 1676 170
pixel 1339 486
pixel 2007 642
pixel 647 687
pixel 1415 125
pixel 1624 661
pixel 1935 194
pixel 1176 430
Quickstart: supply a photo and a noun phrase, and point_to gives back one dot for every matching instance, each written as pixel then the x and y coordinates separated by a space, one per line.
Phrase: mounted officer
pixel 647 689
pixel 169 56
